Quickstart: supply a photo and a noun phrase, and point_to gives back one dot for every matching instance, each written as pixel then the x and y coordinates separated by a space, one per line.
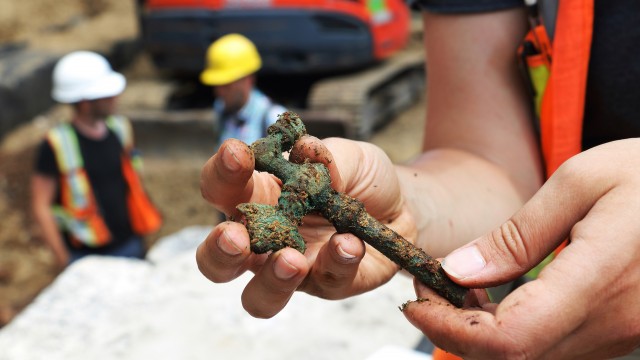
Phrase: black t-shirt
pixel 102 163
pixel 613 86
pixel 612 108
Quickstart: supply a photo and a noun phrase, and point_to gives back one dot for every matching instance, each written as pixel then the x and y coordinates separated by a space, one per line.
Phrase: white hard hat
pixel 85 75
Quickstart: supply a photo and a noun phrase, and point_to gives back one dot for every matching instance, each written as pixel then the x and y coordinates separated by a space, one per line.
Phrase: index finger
pixel 226 178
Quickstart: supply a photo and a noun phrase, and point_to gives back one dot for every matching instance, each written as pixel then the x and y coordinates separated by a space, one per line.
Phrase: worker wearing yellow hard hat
pixel 243 111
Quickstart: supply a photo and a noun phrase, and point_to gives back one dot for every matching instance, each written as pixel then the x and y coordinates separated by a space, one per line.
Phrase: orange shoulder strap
pixel 145 218
pixel 564 99
pixel 439 354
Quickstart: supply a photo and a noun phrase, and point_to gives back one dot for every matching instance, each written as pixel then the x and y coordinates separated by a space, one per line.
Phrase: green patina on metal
pixel 307 188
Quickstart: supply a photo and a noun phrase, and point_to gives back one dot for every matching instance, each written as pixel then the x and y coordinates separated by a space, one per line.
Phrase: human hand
pixel 584 304
pixel 334 265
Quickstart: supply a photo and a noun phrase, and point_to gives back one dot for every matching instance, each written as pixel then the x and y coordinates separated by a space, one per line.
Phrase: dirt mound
pixel 65 25
pixel 25 265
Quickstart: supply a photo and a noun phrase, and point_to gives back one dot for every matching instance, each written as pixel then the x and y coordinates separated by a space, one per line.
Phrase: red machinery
pixel 300 37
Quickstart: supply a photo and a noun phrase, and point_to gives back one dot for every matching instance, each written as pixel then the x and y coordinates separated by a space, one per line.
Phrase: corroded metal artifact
pixel 307 188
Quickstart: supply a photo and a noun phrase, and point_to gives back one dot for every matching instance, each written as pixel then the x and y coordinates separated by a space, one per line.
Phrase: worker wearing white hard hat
pixel 243 111
pixel 86 194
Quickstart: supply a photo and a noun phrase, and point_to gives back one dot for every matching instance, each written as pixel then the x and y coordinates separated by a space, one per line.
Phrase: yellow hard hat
pixel 230 58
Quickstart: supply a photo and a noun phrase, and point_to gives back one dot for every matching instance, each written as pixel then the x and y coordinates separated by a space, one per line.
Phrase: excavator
pixel 356 51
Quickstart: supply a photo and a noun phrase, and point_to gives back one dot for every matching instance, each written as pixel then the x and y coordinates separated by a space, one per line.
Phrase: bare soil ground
pixel 26 265
pixel 64 25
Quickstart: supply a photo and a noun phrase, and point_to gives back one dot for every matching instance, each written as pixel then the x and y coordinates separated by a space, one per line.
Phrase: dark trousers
pixel 132 248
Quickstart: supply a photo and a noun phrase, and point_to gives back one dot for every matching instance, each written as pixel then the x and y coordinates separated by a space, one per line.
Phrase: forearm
pixel 43 190
pixel 481 160
pixel 461 196
pixel 50 234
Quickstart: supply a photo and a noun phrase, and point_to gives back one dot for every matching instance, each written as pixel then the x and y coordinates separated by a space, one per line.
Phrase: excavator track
pixel 361 102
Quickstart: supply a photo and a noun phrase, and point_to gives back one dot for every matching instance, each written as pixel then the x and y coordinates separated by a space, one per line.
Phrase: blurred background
pixel 346 74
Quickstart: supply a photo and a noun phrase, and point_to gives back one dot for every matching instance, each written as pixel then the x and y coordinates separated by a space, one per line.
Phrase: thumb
pixel 313 149
pixel 522 242
pixel 495 258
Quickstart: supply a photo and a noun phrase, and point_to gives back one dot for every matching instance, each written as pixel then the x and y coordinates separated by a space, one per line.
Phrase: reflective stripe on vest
pixel 77 212
pixel 122 128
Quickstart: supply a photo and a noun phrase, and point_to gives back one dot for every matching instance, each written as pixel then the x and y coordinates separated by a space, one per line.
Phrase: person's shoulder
pixel 57 130
pixel 278 108
pixel 43 144
pixel 275 111
pixel 267 100
pixel 59 126
pixel 45 161
pixel 118 119
pixel 121 127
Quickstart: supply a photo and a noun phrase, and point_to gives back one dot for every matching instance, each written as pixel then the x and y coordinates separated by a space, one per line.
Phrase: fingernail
pixel 227 245
pixel 344 254
pixel 229 159
pixel 283 269
pixel 464 263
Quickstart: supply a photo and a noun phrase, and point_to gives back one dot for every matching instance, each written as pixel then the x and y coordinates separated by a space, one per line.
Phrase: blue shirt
pixel 251 122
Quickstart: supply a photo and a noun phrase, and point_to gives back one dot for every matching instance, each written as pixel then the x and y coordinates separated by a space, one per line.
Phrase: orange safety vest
pixel 558 72
pixel 78 211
